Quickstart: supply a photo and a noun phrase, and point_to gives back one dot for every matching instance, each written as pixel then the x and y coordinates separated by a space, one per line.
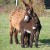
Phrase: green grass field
pixel 44 39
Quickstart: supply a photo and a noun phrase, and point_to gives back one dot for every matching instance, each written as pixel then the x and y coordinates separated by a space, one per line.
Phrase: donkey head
pixel 29 11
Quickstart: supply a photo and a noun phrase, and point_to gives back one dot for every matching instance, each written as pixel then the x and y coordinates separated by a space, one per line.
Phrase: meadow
pixel 44 38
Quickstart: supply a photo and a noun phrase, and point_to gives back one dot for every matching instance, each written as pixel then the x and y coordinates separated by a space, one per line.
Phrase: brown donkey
pixel 25 21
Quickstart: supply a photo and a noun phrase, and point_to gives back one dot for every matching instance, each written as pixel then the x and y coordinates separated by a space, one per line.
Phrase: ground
pixel 44 39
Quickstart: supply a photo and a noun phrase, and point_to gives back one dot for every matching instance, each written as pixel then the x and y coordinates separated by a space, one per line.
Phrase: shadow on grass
pixel 45 42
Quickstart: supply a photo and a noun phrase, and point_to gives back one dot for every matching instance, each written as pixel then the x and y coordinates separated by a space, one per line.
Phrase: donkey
pixel 30 24
pixel 25 21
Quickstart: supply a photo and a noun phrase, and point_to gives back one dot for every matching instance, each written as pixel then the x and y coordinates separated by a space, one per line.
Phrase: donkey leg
pixel 31 37
pixel 11 34
pixel 31 40
pixel 22 40
pixel 36 38
pixel 15 36
pixel 28 39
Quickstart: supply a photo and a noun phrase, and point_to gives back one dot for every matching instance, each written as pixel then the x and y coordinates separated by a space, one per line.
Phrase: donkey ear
pixel 30 1
pixel 25 3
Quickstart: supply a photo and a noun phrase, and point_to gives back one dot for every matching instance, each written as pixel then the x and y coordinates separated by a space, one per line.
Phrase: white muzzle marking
pixel 26 18
pixel 33 27
pixel 29 11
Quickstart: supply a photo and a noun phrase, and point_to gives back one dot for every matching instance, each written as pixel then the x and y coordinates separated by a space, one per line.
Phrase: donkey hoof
pixel 30 46
pixel 11 42
pixel 23 46
pixel 17 43
pixel 36 46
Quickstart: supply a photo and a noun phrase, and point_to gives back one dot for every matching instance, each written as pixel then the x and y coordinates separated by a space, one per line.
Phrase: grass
pixel 44 39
